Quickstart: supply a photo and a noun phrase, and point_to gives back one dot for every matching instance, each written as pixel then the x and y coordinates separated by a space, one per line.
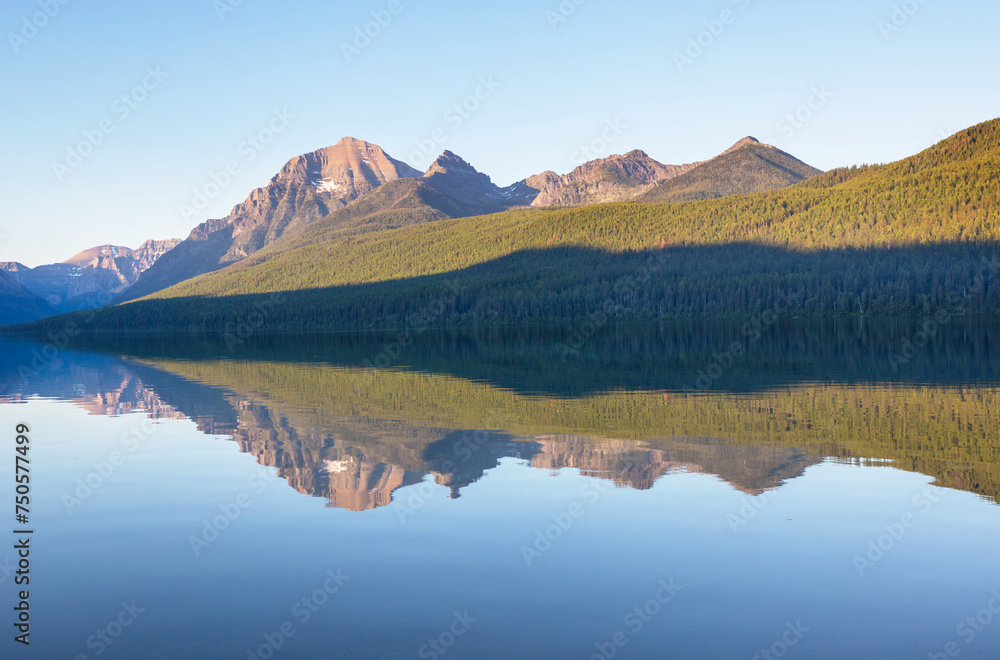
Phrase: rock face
pixel 470 192
pixel 307 188
pixel 612 179
pixel 320 184
pixel 354 186
pixel 151 251
pixel 92 277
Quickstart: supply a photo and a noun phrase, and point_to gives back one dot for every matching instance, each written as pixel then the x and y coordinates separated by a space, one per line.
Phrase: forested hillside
pixel 912 237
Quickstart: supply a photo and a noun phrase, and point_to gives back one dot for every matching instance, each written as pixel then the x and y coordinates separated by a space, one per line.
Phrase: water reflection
pixel 660 483
pixel 357 463
pixel 333 427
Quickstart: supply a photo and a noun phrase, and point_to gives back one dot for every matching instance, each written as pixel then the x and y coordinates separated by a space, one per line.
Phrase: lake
pixel 799 489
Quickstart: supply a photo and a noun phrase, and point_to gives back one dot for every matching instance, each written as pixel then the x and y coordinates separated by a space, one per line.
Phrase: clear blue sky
pixel 558 87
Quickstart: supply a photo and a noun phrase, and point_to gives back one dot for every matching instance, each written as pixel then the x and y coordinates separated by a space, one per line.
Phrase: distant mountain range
pixel 356 187
pixel 612 179
pixel 905 238
pixel 362 240
pixel 89 279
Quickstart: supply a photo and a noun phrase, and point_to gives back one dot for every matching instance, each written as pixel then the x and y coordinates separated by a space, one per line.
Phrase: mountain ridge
pixel 322 185
pixel 749 166
pixel 308 187
pixel 889 239
pixel 613 179
pixel 90 278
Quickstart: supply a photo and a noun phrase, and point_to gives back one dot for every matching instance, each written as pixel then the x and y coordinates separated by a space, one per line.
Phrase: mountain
pixel 18 304
pixel 912 237
pixel 307 188
pixel 747 167
pixel 353 187
pixel 471 192
pixel 140 259
pixel 341 187
pixel 612 179
pixel 92 277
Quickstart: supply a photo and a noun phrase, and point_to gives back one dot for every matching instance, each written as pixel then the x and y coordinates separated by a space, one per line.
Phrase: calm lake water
pixel 802 490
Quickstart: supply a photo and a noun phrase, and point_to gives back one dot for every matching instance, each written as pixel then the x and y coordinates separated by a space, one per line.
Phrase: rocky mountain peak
pixel 451 164
pixel 471 190
pixel 748 141
pixel 95 255
pixel 612 179
pixel 347 170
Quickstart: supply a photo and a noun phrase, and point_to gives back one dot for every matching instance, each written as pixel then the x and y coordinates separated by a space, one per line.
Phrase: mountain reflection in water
pixel 335 429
